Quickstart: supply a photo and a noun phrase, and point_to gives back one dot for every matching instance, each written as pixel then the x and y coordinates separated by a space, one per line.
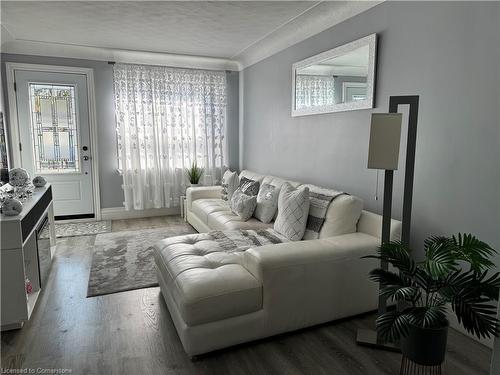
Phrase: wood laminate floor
pixel 132 333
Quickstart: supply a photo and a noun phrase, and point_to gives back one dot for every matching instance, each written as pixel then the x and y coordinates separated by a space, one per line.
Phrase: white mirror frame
pixel 371 41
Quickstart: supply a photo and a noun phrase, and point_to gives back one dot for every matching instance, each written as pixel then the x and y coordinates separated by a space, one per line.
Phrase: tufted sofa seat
pixel 217 215
pixel 207 283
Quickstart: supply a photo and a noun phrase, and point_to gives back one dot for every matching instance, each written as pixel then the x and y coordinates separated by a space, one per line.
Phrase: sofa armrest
pixel 201 192
pixel 371 223
pixel 317 280
pixel 353 246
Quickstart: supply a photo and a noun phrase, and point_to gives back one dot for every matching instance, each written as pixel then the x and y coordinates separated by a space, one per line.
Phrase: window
pixel 167 119
pixel 54 128
pixel 314 91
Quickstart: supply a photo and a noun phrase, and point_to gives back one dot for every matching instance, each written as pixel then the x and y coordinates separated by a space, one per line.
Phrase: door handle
pixel 86 158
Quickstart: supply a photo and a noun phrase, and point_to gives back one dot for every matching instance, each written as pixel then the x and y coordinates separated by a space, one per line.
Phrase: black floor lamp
pixel 385 134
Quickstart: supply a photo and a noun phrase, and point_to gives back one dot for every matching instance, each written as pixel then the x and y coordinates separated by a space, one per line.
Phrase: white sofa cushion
pixel 293 210
pixel 267 203
pixel 227 220
pixel 278 181
pixel 203 207
pixel 242 204
pixel 252 175
pixel 230 182
pixel 342 216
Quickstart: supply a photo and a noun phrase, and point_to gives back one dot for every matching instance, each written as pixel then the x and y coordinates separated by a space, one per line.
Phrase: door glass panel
pixel 54 128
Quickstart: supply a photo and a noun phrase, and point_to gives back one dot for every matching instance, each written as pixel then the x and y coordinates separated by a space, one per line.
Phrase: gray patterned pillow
pixel 267 203
pixel 249 187
pixel 230 182
pixel 243 205
pixel 293 210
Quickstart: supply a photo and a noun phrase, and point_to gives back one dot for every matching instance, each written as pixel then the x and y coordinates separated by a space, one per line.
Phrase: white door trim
pixel 14 123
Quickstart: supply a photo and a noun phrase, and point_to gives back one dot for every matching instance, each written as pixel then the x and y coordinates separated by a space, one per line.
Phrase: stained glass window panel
pixel 54 128
pixel 62 112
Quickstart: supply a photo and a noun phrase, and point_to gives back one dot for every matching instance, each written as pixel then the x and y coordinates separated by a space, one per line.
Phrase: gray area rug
pixel 78 229
pixel 124 260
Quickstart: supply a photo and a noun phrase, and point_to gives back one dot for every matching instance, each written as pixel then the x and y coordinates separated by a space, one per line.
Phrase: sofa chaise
pixel 238 281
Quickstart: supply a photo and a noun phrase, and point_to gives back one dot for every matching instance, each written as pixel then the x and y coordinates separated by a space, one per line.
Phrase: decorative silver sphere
pixel 12 207
pixel 39 181
pixel 18 177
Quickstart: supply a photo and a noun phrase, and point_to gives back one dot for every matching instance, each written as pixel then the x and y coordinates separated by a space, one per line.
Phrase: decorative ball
pixel 39 181
pixel 12 207
pixel 18 177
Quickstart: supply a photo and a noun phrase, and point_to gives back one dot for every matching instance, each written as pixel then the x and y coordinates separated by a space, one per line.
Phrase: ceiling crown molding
pixel 6 36
pixel 317 19
pixel 26 47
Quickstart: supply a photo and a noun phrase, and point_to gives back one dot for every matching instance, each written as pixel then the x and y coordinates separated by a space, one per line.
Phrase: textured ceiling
pixel 216 29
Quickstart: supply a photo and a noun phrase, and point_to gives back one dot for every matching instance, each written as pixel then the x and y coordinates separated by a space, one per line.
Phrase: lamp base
pixel 369 337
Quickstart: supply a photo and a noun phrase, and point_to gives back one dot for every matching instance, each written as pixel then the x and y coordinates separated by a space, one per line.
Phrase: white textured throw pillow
pixel 267 203
pixel 230 182
pixel 293 210
pixel 243 205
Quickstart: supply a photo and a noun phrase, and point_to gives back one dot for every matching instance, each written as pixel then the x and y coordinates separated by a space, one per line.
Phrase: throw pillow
pixel 267 203
pixel 230 182
pixel 293 210
pixel 249 187
pixel 243 205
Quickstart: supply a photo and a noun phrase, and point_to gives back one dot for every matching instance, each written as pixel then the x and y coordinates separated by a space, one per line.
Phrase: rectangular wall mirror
pixel 341 79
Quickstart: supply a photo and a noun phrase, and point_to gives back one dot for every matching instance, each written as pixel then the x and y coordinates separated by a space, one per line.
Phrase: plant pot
pixel 425 346
pixel 194 185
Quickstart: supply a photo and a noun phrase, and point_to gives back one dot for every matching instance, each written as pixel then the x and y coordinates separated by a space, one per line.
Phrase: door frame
pixel 11 67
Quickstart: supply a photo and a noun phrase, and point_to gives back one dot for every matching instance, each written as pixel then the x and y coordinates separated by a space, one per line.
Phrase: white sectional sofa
pixel 219 298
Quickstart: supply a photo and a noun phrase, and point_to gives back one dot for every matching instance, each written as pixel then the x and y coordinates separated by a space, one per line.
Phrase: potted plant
pixel 194 174
pixel 454 272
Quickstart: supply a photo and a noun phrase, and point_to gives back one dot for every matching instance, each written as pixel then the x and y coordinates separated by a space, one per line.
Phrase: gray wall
pixel 449 54
pixel 110 180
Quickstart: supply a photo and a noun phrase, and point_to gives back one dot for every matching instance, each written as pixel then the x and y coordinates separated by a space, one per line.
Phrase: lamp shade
pixel 385 137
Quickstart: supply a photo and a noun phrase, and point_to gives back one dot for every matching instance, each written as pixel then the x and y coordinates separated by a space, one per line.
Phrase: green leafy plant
pixel 194 173
pixel 454 271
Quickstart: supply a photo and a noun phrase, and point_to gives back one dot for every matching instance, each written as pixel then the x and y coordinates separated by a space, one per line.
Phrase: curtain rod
pixel 172 67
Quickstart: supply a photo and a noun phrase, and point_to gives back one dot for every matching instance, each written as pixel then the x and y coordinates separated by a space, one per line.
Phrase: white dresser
pixel 25 255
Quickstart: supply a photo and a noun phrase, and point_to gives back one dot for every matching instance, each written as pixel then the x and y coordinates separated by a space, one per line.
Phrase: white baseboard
pixel 118 213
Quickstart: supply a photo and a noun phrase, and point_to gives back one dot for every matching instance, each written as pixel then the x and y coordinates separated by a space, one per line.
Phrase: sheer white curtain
pixel 166 119
pixel 311 91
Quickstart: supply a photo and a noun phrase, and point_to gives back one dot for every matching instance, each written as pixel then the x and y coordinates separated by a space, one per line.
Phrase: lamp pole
pixel 411 143
pixel 370 337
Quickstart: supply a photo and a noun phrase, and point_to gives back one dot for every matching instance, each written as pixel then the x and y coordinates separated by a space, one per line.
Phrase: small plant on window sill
pixel 194 174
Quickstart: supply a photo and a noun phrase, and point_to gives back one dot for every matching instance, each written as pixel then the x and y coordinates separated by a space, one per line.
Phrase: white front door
pixel 54 132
